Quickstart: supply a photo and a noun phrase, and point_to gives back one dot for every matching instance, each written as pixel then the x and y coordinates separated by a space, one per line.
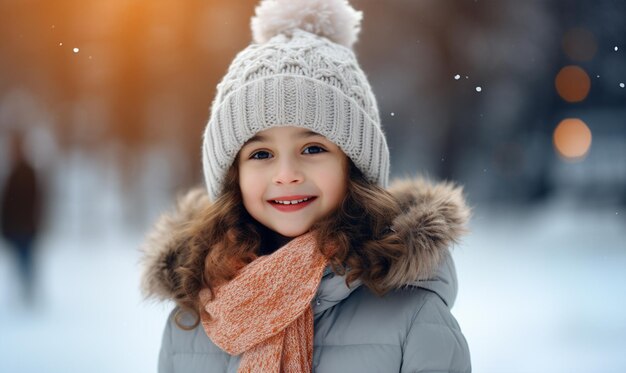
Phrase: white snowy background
pixel 541 288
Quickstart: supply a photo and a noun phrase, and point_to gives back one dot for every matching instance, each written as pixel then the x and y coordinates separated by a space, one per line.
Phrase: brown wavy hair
pixel 225 238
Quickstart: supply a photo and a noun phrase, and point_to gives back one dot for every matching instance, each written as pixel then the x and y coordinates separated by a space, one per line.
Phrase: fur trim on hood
pixel 433 218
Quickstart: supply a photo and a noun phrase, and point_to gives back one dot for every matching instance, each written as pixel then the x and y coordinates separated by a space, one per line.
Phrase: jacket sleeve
pixel 435 342
pixel 166 364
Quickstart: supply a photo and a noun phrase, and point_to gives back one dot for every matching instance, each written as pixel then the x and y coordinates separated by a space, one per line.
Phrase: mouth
pixel 291 203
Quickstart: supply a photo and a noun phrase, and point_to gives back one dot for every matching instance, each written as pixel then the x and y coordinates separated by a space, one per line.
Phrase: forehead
pixel 292 133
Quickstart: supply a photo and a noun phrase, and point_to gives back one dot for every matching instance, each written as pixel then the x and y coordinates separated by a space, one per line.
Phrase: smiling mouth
pixel 289 204
pixel 293 201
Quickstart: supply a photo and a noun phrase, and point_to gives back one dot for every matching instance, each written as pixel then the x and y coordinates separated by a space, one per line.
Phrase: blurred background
pixel 102 107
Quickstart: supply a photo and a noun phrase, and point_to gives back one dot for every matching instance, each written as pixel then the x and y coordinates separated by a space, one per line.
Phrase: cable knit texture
pixel 265 311
pixel 295 79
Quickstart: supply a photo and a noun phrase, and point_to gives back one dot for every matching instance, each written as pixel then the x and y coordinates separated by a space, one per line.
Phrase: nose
pixel 287 172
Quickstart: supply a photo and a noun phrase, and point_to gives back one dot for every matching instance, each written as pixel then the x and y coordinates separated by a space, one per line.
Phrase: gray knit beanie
pixel 300 71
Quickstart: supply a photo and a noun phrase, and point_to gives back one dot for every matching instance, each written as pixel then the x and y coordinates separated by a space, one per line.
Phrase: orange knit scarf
pixel 265 311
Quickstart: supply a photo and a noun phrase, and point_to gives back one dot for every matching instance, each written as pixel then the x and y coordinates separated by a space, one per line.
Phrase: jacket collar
pixel 432 218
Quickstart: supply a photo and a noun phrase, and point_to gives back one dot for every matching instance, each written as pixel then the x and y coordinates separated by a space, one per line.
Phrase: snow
pixel 540 288
pixel 89 315
pixel 621 85
pixel 76 50
pixel 479 89
pixel 457 77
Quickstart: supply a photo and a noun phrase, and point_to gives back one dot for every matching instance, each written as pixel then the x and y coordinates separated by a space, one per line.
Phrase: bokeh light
pixel 579 44
pixel 572 139
pixel 572 83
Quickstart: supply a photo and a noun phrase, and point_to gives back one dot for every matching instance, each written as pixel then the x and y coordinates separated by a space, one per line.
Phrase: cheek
pixel 342 189
pixel 251 196
pixel 336 183
pixel 250 189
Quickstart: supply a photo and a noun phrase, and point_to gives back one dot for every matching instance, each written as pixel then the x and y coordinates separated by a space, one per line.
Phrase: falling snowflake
pixel 457 77
pixel 76 50
pixel 393 114
pixel 479 89
pixel 621 85
pixel 616 48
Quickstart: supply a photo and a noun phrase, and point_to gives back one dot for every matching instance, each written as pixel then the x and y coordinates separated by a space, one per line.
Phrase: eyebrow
pixel 300 135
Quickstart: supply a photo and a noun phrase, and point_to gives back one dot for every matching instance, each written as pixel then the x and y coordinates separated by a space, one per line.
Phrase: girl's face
pixel 291 177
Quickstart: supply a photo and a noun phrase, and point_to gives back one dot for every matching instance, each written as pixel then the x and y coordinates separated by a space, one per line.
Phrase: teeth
pixel 292 202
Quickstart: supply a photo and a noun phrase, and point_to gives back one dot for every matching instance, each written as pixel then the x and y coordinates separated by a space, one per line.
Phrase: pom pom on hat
pixel 332 19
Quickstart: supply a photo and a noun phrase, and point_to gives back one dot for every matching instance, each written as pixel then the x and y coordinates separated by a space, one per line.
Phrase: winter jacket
pixel 409 329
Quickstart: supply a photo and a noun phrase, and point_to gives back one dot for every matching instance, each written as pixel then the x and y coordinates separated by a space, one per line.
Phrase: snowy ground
pixel 541 290
pixel 89 317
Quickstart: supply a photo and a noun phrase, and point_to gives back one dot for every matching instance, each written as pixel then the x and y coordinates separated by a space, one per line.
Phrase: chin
pixel 292 233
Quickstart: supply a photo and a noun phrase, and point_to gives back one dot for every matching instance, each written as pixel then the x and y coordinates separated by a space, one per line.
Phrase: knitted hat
pixel 300 71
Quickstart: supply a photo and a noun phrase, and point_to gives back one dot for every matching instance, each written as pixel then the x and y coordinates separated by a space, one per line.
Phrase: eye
pixel 261 155
pixel 314 149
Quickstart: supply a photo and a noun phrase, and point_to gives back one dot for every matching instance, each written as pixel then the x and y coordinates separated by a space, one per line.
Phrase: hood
pixel 433 217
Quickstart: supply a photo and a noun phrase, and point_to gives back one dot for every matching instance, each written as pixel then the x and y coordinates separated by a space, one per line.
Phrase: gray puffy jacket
pixel 410 329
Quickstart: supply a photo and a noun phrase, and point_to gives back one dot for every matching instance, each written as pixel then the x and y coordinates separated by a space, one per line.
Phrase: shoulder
pixel 409 299
pixel 401 318
pixel 191 351
pixel 434 340
pixel 182 341
pixel 398 309
pixel 408 310
pixel 426 309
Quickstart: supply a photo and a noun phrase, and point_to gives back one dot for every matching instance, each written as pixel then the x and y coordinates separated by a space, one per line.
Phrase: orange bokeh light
pixel 572 139
pixel 572 83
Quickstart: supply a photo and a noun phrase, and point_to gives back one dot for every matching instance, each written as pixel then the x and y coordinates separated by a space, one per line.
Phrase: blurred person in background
pixel 20 213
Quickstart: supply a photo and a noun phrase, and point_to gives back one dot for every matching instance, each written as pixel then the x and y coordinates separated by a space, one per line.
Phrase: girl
pixel 297 257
